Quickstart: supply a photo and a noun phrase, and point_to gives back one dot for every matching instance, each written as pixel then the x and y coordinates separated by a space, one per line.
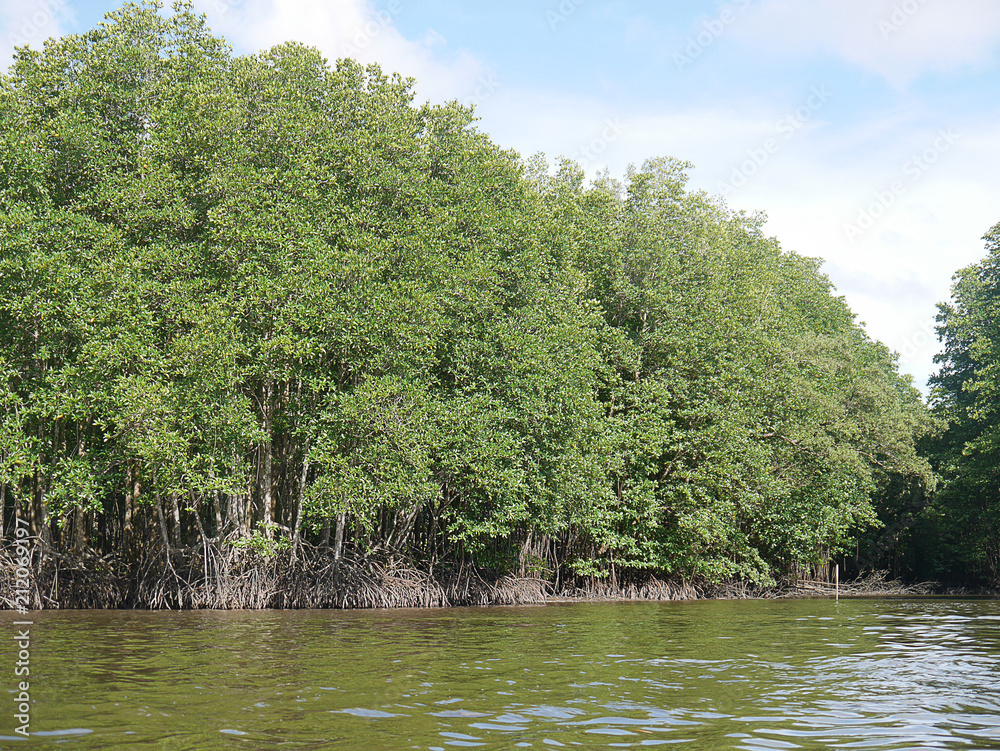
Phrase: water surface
pixel 878 674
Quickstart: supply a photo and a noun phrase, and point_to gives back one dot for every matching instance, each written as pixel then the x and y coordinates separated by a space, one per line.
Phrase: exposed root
pixel 220 576
pixel 86 580
pixel 649 588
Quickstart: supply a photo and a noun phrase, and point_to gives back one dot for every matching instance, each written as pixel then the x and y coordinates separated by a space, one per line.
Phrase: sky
pixel 864 129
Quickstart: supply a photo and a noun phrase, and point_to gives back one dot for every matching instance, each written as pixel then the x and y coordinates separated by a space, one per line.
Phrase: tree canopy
pixel 957 536
pixel 269 297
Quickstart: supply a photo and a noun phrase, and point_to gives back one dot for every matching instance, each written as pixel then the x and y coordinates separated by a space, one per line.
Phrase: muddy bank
pixel 228 578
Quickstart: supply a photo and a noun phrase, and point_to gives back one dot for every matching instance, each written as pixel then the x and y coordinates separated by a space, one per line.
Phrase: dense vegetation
pixel 956 537
pixel 266 302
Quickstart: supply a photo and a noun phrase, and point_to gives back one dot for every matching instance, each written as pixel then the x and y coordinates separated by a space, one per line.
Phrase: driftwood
pixel 876 584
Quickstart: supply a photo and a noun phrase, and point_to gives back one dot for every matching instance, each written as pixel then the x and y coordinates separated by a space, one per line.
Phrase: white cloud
pixel 814 184
pixel 356 29
pixel 896 39
pixel 894 275
pixel 30 22
pixel 564 125
pixel 585 129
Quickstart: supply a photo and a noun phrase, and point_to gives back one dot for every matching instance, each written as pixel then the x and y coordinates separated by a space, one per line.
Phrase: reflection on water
pixel 878 674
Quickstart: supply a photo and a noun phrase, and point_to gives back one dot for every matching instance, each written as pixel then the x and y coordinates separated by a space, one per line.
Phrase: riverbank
pixel 211 576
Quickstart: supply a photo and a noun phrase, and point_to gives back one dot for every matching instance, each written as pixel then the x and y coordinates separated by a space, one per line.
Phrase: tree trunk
pixel 301 500
pixel 267 502
pixel 338 542
pixel 131 494
pixel 217 509
pixel 79 530
pixel 176 512
pixel 163 526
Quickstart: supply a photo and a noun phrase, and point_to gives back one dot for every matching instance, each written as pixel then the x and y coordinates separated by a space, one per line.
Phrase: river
pixel 779 674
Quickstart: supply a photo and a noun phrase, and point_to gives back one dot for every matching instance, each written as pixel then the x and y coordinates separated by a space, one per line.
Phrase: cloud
pixel 30 22
pixel 356 29
pixel 894 275
pixel 819 179
pixel 899 40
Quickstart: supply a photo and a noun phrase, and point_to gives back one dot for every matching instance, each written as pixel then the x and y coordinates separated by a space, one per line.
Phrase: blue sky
pixel 865 129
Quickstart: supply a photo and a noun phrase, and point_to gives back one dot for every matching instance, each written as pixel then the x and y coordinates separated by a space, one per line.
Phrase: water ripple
pixel 872 674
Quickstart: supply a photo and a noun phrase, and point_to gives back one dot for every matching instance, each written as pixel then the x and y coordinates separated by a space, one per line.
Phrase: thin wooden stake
pixel 836 579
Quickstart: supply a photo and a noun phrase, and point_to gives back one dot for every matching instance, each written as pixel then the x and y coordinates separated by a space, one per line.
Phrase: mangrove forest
pixel 273 333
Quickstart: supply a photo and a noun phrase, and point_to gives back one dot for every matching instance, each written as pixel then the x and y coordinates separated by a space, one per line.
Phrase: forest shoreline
pixel 253 303
pixel 216 578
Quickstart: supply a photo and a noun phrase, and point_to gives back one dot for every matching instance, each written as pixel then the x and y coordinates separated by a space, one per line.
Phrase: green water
pixel 879 674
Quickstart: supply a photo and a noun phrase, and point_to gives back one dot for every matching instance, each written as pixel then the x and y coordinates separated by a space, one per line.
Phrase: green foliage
pixel 958 535
pixel 753 420
pixel 262 542
pixel 282 291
